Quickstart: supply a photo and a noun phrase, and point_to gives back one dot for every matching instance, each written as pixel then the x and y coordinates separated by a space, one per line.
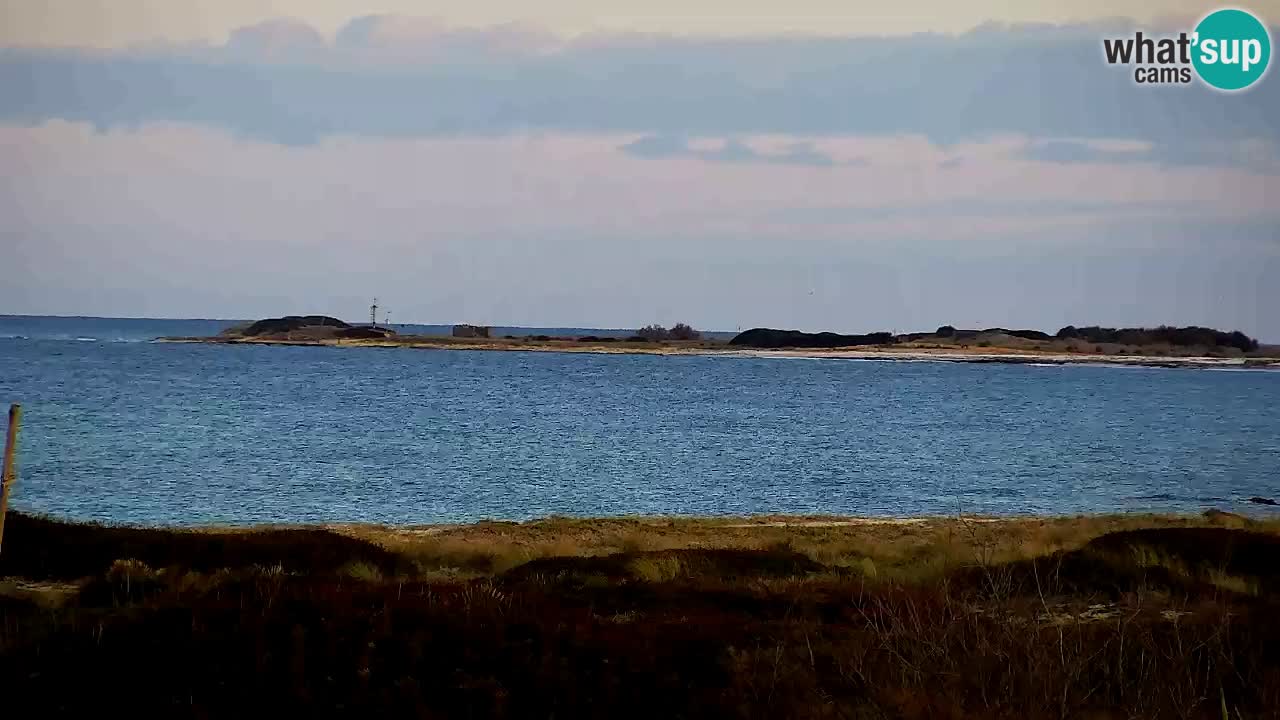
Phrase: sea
pixel 121 429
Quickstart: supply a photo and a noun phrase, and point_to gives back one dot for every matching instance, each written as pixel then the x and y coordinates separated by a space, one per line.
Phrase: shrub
pixel 653 333
pixel 769 338
pixel 362 571
pixel 682 331
pixel 1186 336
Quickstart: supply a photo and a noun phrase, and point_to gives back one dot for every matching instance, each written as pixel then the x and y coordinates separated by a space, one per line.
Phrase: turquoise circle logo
pixel 1232 49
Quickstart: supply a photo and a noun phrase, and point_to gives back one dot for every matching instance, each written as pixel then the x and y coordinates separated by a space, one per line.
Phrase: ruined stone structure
pixel 471 331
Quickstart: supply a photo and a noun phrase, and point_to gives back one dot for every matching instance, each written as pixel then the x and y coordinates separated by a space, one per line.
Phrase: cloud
pixel 388 76
pixel 657 146
pixel 1253 154
pixel 1075 151
pixel 1044 209
pixel 276 39
pixel 392 37
pixel 731 150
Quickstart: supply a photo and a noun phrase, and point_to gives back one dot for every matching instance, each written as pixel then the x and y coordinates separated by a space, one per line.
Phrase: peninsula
pixel 1154 347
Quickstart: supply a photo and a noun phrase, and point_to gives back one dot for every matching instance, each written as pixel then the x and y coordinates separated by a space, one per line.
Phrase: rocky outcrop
pixel 769 338
pixel 363 333
pixel 291 323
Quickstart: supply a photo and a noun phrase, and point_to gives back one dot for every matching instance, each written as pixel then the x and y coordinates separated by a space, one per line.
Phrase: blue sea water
pixel 117 428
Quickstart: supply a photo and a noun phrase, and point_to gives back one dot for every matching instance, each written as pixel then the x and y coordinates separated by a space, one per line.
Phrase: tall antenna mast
pixel 373 313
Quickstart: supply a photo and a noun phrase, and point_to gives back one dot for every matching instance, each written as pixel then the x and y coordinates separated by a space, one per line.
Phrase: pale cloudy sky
pixel 833 165
pixel 115 23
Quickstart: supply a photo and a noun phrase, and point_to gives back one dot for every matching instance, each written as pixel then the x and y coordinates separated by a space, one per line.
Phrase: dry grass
pixel 915 549
pixel 1092 617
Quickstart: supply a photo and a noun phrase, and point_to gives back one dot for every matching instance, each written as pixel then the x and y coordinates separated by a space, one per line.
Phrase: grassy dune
pixel 1093 617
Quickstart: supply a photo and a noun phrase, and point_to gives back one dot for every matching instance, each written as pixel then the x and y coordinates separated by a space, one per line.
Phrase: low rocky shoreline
pixel 880 353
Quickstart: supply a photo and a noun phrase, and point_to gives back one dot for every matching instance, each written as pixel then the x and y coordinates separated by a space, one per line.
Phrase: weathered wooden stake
pixel 7 477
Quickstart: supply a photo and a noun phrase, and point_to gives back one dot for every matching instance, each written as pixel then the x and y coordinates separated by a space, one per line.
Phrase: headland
pixel 1160 347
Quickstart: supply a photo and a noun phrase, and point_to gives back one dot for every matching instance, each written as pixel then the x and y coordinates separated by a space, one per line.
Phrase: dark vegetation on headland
pixel 1132 617
pixel 768 338
pixel 1186 336
pixel 1164 336
pixel 1161 346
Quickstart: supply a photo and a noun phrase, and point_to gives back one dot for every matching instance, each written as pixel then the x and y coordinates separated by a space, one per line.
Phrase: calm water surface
pixel 117 429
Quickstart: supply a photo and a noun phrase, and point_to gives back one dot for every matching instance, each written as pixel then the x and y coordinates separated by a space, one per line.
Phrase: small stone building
pixel 471 331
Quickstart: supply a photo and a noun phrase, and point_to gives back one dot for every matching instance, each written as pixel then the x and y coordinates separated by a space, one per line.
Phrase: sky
pixel 832 166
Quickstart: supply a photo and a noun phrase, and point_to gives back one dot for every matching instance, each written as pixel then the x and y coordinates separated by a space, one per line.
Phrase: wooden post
pixel 7 477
